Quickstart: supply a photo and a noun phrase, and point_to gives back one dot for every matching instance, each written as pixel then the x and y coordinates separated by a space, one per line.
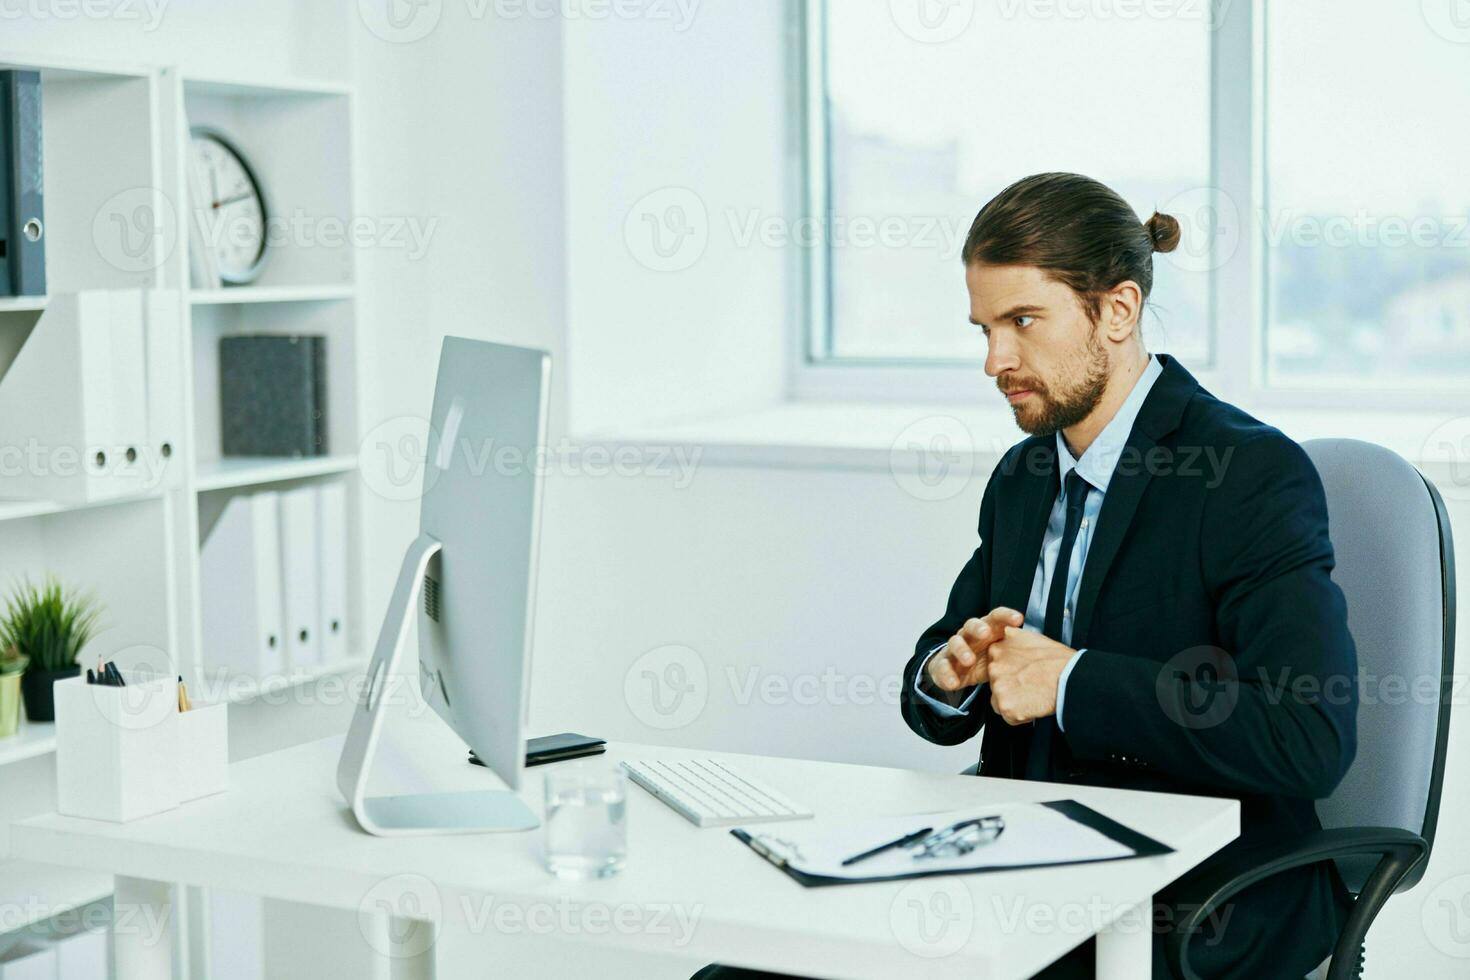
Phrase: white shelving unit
pixel 115 144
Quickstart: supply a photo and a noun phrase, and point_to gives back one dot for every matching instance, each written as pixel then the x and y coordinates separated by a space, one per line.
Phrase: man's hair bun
pixel 1163 230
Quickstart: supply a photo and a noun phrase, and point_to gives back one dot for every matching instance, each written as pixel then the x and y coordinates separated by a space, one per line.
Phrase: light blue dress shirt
pixel 1096 467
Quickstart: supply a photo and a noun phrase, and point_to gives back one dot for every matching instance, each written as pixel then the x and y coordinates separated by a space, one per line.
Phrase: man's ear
pixel 1120 311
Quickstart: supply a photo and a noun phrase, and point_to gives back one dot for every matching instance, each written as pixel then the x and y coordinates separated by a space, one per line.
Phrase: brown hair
pixel 1076 229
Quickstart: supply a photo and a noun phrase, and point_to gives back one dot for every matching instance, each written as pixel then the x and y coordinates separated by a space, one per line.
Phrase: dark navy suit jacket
pixel 1218 656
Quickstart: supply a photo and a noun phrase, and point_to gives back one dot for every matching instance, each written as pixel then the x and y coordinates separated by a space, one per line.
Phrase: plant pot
pixel 9 704
pixel 35 686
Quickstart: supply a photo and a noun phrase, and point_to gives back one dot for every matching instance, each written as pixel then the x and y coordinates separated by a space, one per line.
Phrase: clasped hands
pixel 1021 666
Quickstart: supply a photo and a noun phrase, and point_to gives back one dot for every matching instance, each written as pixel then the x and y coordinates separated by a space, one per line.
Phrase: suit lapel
pixel 1159 416
pixel 1120 504
pixel 1038 494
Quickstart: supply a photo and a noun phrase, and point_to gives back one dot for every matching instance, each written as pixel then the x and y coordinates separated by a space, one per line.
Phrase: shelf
pixel 246 471
pixel 271 294
pixel 35 892
pixel 281 87
pixel 240 687
pixel 13 510
pixel 14 304
pixel 34 738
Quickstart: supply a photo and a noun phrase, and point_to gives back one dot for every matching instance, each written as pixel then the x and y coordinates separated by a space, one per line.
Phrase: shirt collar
pixel 1101 458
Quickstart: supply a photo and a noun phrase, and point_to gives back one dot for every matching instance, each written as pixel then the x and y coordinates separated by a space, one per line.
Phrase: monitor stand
pixel 471 812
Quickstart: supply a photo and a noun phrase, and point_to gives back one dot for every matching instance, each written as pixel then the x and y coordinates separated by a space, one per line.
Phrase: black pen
pixel 903 841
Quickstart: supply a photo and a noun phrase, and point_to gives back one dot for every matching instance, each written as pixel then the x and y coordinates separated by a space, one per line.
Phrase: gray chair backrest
pixel 1395 566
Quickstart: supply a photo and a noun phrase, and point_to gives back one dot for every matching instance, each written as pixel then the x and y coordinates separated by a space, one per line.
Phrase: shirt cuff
pixel 1062 686
pixel 940 708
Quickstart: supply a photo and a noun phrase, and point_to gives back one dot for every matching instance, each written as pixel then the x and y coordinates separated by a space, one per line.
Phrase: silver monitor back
pixel 469 579
pixel 482 502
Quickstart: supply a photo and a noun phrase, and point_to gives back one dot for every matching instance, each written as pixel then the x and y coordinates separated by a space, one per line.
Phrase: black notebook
pixel 273 395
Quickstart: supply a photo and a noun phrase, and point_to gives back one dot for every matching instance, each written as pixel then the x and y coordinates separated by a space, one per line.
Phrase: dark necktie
pixel 1038 757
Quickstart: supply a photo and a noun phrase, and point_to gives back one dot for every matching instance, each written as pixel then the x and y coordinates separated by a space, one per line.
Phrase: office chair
pixel 1394 551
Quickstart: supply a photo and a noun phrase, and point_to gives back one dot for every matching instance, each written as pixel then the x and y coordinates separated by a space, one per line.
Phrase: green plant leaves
pixel 47 624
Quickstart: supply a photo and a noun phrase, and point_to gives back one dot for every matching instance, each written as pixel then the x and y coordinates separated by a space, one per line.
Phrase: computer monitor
pixel 474 566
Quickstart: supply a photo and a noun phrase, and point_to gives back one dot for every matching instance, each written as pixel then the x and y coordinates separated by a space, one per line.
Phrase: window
pixel 1367 210
pixel 1311 150
pixel 928 110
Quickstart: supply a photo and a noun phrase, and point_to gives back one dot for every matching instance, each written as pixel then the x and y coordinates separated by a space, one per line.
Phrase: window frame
pixel 1237 368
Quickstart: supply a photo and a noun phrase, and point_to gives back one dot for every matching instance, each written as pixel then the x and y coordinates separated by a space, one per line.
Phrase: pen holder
pixel 117 748
pixel 203 750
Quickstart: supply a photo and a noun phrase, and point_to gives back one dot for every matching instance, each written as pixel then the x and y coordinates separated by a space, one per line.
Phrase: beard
pixel 1069 402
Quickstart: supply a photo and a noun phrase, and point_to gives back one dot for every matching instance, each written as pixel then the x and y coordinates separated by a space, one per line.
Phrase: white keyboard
pixel 709 793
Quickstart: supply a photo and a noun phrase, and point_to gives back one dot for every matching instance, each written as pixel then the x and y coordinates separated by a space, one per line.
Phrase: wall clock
pixel 236 217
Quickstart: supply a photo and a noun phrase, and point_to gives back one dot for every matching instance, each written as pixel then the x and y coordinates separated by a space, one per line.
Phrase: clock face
pixel 235 214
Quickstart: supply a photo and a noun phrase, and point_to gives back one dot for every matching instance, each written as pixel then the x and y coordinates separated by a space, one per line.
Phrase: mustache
pixel 1009 385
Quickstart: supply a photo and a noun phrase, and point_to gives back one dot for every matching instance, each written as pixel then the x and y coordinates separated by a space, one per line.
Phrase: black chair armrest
pixel 1401 851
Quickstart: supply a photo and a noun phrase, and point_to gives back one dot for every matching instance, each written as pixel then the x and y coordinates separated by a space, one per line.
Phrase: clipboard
pixel 1128 843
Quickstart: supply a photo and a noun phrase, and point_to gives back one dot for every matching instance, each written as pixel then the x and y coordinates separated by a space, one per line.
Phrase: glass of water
pixel 586 821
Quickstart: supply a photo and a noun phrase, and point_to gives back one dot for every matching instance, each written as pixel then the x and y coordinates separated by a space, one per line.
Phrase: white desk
pixel 282 832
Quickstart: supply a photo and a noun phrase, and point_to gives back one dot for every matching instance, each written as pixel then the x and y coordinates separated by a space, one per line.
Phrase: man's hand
pixel 964 660
pixel 1024 667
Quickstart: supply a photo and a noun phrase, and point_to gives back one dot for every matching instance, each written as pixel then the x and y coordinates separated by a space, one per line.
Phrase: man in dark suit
pixel 1150 605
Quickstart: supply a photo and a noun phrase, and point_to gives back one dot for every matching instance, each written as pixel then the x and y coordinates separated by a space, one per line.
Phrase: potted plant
pixel 12 665
pixel 49 625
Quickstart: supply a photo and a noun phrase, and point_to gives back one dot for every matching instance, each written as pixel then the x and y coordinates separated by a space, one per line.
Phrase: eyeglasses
pixel 960 838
